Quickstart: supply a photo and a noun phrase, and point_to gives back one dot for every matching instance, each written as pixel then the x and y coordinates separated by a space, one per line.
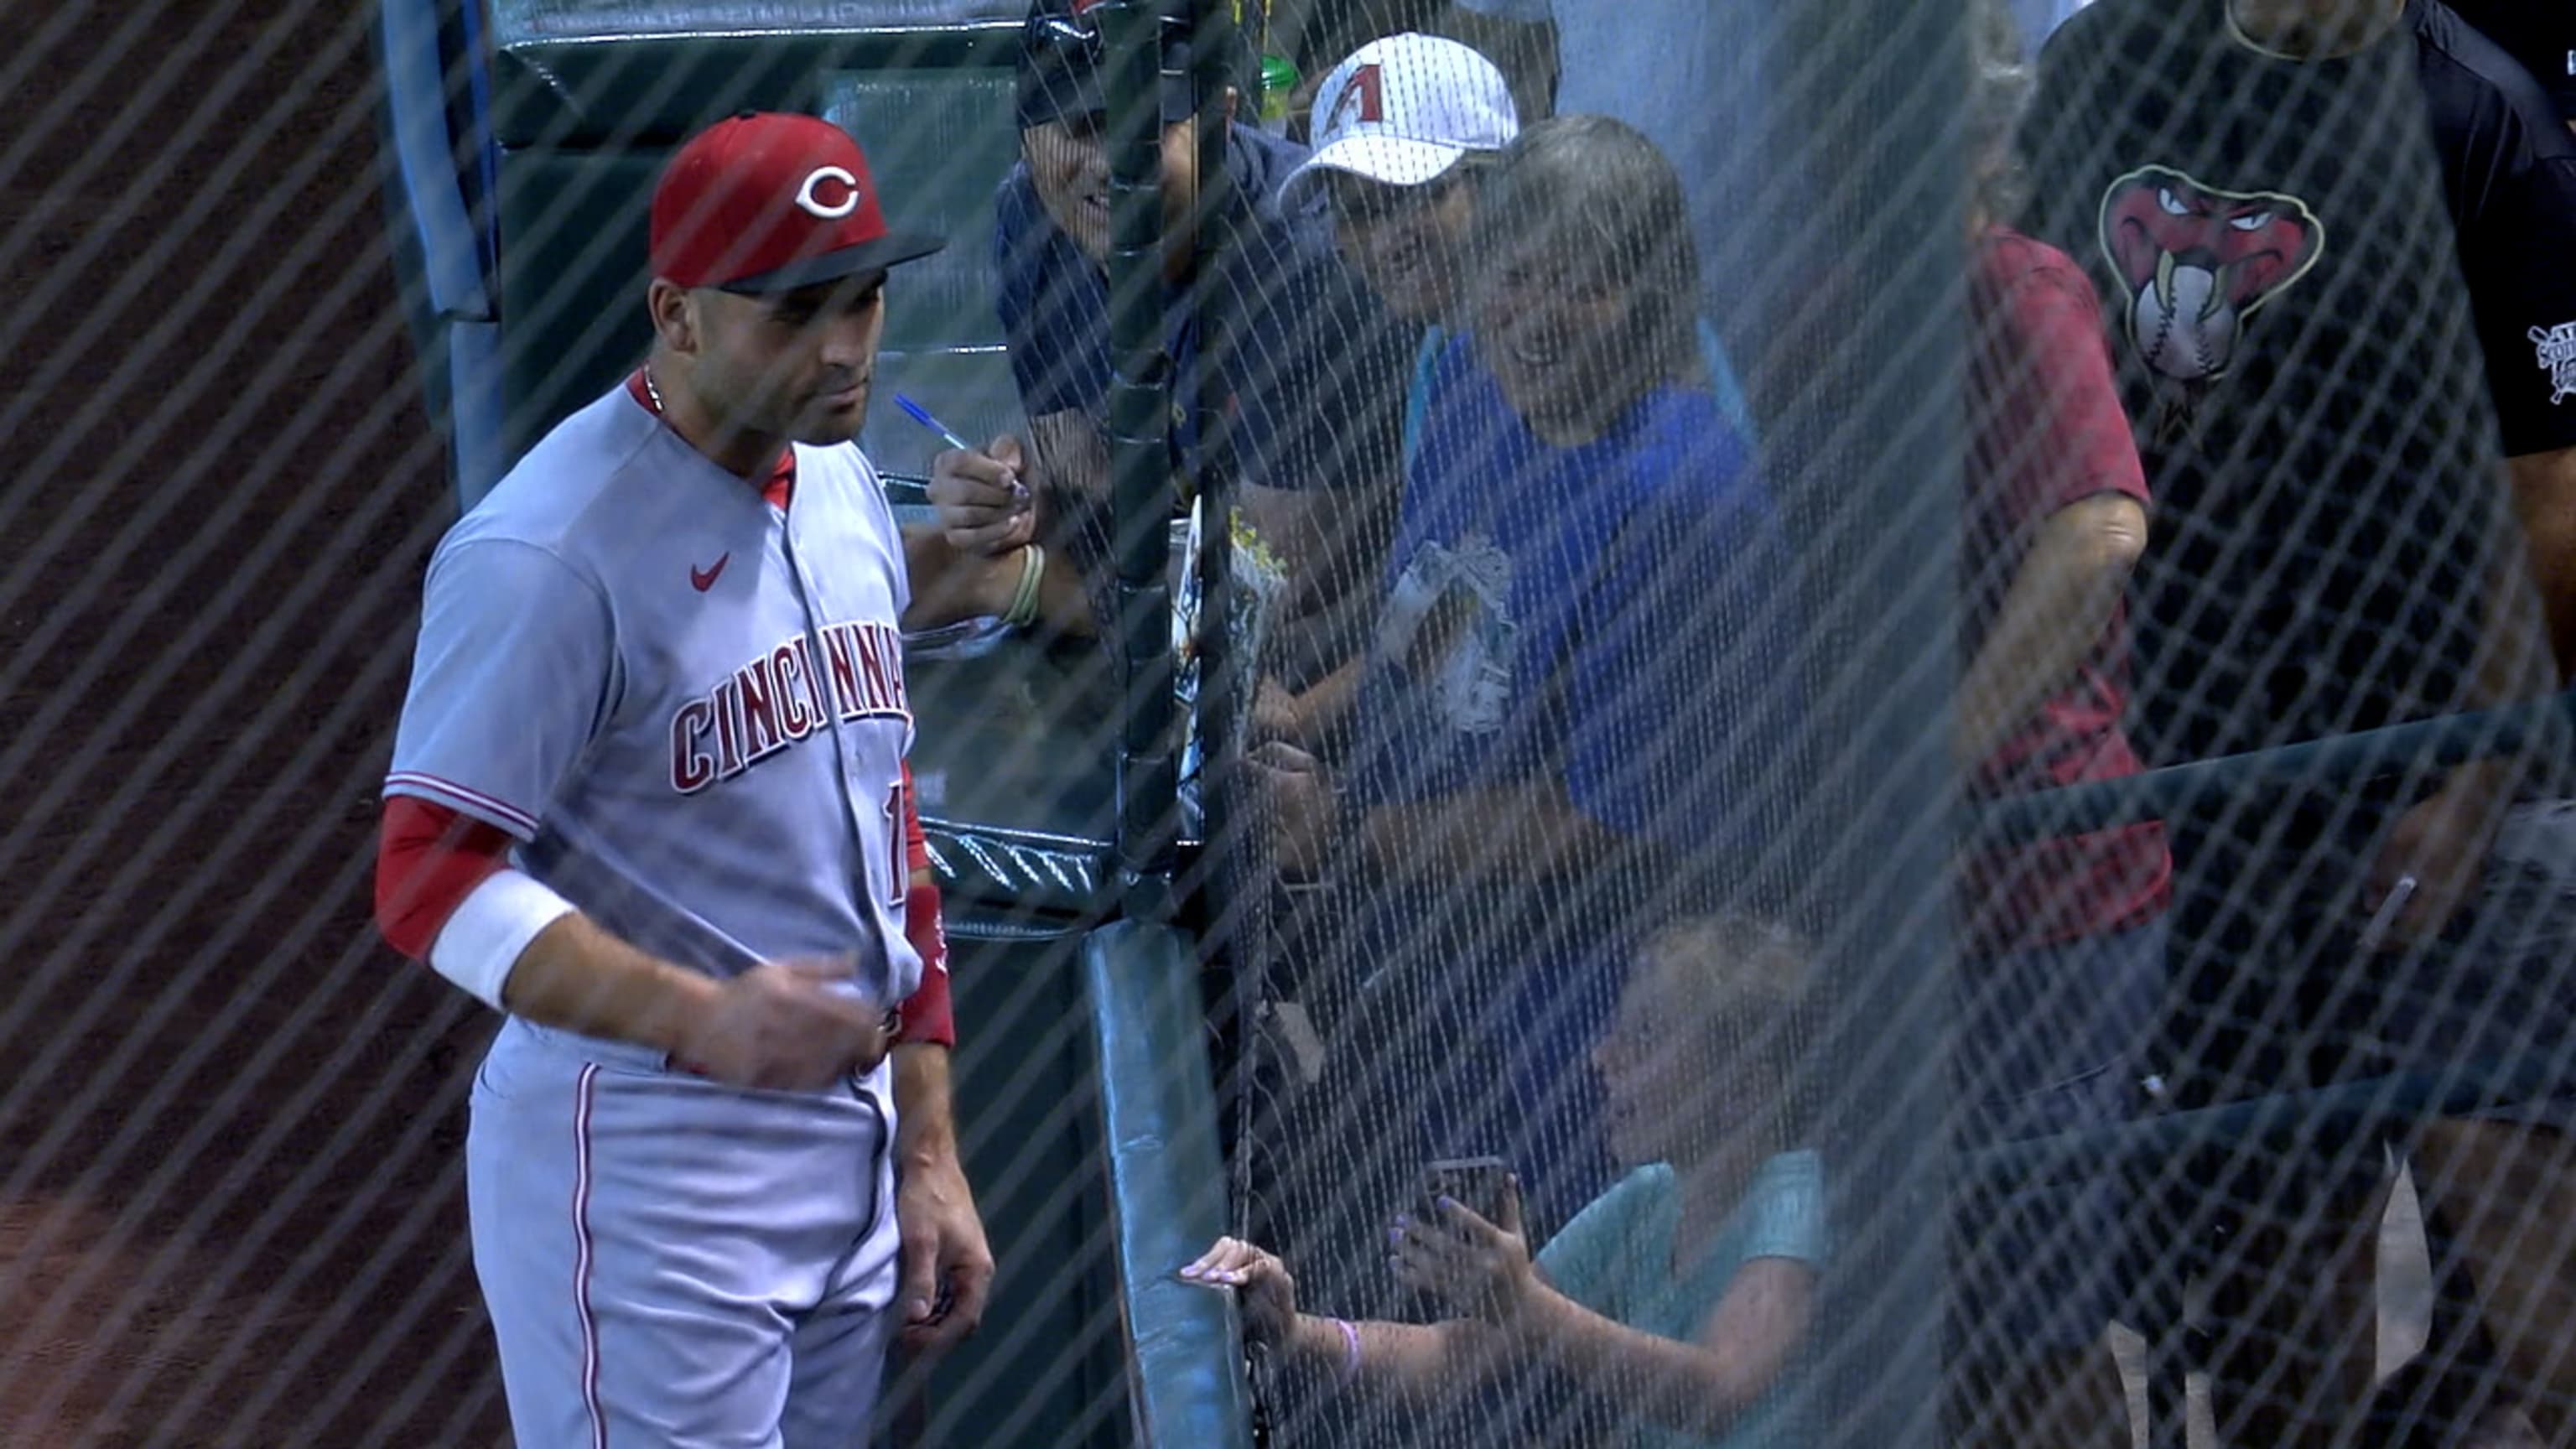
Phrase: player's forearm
pixel 924 1106
pixel 576 977
pixel 2062 598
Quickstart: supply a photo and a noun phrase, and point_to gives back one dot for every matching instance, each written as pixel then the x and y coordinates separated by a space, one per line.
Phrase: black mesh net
pixel 1865 725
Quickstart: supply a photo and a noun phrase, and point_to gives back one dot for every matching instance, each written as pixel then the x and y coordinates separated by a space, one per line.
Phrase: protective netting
pixel 1698 634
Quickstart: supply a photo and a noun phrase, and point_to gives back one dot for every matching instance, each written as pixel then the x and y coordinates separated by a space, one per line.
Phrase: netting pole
pixel 1870 117
pixel 1158 1104
pixel 1140 468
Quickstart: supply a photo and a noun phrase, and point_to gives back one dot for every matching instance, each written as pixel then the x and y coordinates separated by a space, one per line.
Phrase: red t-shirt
pixel 2045 430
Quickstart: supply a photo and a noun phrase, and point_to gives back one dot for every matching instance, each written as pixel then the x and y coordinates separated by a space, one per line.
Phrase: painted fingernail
pixel 1190 1272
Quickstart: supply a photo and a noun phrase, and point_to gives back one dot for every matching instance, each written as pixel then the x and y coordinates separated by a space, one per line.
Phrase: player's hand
pixel 1480 1269
pixel 983 498
pixel 947 1265
pixel 781 1027
pixel 1268 1292
pixel 2440 846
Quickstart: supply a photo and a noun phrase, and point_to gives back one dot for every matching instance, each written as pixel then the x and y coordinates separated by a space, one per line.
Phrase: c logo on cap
pixel 848 203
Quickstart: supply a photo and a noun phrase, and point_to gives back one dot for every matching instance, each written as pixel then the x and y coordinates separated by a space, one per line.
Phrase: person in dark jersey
pixel 2539 33
pixel 2332 237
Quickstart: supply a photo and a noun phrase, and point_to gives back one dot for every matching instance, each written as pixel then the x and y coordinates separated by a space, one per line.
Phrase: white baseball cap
pixel 1402 110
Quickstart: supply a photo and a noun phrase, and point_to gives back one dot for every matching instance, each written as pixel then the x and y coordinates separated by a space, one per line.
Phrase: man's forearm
pixel 576 977
pixel 924 1108
pixel 2544 496
pixel 950 585
pixel 1533 827
pixel 2513 661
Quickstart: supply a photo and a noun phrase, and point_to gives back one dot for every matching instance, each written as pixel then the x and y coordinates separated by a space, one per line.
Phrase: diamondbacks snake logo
pixel 2196 261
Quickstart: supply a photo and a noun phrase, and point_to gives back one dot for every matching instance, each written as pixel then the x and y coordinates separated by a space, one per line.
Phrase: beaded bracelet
pixel 1024 599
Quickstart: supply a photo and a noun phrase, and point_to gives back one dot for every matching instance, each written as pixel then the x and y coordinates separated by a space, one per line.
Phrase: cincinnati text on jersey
pixel 771 703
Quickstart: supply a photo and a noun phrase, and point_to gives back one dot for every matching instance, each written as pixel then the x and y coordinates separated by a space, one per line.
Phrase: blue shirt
pixel 1616 1258
pixel 1614 615
pixel 1314 368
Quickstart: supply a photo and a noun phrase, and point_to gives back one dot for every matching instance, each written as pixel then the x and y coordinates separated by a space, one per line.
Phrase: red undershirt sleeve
pixel 928 1017
pixel 429 858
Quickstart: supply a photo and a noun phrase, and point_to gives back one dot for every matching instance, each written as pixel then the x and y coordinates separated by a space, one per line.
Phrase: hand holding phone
pixel 1479 1184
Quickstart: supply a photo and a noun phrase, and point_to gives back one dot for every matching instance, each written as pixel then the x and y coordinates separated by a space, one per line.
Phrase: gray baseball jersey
pixel 687 705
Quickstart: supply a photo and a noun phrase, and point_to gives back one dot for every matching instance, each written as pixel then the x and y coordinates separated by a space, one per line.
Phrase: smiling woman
pixel 1587 301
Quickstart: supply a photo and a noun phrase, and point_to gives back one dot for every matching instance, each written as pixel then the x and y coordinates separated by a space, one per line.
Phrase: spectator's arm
pixel 2544 498
pixel 1415 1361
pixel 1310 718
pixel 950 584
pixel 2440 844
pixel 2061 599
pixel 1697 1388
pixel 1519 829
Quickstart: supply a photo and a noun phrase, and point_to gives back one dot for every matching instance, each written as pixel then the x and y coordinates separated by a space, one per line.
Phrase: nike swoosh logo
pixel 705 578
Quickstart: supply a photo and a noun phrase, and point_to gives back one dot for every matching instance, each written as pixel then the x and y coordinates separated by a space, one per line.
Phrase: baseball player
pixel 649 798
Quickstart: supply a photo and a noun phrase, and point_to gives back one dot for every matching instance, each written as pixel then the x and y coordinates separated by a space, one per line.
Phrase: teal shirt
pixel 1616 1259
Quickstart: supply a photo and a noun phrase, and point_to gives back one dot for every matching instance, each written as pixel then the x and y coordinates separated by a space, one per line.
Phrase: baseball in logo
pixel 830 192
pixel 2195 262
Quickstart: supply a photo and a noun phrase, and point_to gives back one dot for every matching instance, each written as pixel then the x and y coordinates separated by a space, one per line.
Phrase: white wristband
pixel 488 930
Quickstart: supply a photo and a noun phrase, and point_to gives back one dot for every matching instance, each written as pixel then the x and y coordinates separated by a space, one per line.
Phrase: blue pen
pixel 921 415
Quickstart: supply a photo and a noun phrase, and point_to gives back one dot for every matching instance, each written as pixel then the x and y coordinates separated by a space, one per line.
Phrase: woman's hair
pixel 1736 956
pixel 1999 87
pixel 1758 979
pixel 1596 188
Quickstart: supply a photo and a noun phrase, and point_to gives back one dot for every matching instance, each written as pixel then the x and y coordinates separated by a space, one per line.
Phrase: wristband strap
pixel 1350 1351
pixel 486 933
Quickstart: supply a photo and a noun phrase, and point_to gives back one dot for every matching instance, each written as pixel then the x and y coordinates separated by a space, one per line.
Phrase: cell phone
pixel 1478 1184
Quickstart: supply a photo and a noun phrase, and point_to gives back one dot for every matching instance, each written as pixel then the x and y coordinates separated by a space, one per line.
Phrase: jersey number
pixel 898 811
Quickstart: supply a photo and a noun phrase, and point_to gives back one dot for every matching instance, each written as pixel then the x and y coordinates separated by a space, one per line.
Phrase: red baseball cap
pixel 768 202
